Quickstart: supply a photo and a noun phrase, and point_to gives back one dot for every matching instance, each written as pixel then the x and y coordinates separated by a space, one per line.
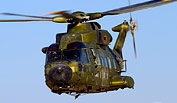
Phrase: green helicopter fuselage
pixel 82 62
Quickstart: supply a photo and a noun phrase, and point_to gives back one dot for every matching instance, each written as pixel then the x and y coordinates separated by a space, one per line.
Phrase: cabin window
pixel 84 56
pixel 99 62
pixel 102 61
pixel 109 61
pixel 106 63
pixel 114 64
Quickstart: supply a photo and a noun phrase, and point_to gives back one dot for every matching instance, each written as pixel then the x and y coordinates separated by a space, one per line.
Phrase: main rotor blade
pixel 64 13
pixel 56 12
pixel 24 20
pixel 136 7
pixel 42 17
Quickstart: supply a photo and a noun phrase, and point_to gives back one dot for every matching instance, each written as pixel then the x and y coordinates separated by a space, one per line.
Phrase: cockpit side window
pixel 53 53
pixel 84 56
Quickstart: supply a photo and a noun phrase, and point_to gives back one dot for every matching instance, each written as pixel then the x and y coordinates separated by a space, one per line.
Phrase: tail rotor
pixel 133 28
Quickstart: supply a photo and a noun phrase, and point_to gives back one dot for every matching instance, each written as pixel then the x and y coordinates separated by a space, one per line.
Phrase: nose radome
pixel 60 73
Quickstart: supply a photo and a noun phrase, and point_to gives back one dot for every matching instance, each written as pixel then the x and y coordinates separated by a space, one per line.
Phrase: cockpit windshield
pixel 65 55
pixel 72 55
pixel 53 56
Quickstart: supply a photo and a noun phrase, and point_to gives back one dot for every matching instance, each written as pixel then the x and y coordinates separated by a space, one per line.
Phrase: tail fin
pixel 122 29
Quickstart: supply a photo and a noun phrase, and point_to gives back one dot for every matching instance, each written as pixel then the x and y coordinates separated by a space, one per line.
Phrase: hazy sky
pixel 22 62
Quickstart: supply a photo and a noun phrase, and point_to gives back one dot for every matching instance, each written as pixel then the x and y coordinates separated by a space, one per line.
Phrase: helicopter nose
pixel 60 73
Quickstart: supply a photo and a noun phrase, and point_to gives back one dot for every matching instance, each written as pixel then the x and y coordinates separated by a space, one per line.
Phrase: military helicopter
pixel 81 60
